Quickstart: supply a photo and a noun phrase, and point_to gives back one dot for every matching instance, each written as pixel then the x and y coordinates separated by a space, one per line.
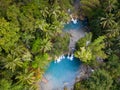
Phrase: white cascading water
pixel 59 59
pixel 68 57
pixel 63 57
pixel 74 20
pixel 71 57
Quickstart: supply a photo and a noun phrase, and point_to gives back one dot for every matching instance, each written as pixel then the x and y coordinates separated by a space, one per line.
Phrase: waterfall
pixel 71 57
pixel 74 20
pixel 59 59
pixel 63 57
pixel 68 57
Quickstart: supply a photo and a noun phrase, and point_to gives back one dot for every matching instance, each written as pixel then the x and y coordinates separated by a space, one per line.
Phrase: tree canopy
pixel 29 33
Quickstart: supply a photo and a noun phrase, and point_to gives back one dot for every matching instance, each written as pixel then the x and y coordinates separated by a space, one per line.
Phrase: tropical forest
pixel 59 44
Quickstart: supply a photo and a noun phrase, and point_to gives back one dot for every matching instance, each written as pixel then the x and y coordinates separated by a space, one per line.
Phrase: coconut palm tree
pixel 87 6
pixel 97 79
pixel 26 78
pixel 114 31
pixel 111 5
pixel 108 20
pixel 11 62
pixel 46 45
pixel 90 51
pixel 41 45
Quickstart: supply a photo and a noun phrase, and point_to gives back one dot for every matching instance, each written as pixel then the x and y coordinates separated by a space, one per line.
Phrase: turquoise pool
pixel 76 26
pixel 61 74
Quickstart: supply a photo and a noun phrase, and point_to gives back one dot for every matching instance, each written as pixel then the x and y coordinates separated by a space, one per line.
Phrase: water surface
pixel 61 74
pixel 65 72
pixel 73 26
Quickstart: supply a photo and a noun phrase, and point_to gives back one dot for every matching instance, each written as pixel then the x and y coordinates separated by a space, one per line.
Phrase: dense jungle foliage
pixel 100 49
pixel 31 35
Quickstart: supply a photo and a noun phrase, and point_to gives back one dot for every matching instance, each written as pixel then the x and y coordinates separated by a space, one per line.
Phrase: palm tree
pixel 87 6
pixel 114 31
pixel 40 62
pixel 26 78
pixel 85 54
pixel 41 45
pixel 90 51
pixel 11 62
pixel 66 4
pixel 108 20
pixel 117 15
pixel 46 45
pixel 111 4
pixel 97 79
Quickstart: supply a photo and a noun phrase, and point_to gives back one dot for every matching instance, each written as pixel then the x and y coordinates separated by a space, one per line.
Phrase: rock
pixel 44 80
pixel 84 73
pixel 65 88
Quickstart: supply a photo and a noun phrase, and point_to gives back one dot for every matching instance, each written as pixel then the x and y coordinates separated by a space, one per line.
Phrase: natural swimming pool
pixel 80 24
pixel 71 25
pixel 61 74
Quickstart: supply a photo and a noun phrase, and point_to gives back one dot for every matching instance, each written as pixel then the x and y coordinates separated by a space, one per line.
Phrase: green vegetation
pixel 103 51
pixel 88 51
pixel 100 80
pixel 30 36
